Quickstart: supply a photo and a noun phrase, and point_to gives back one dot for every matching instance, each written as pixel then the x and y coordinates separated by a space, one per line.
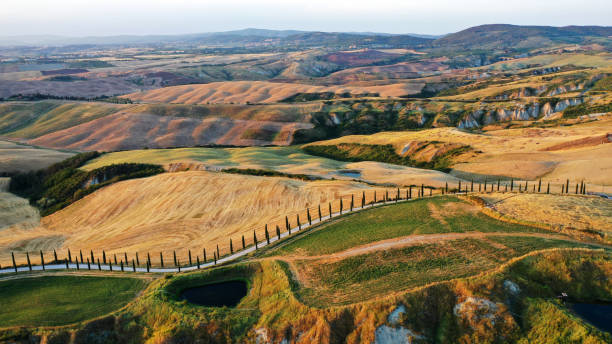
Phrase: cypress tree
pixel 218 254
pixel 215 257
pixel 115 257
pixel 459 188
pixel 66 261
pixel 446 187
pixel 121 265
pixel 539 185
pixel 308 217
pixel 81 254
pixel 520 188
pixel 243 243
pixel 278 232
pixel 204 252
pixel 398 195
pixel 430 191
pixel 110 265
pixel 341 206
pixel 548 188
pixel 54 256
pixel 148 266
pixel 567 186
pixel 126 258
pixel 161 259
pixel 320 215
pixel 100 266
pixel 422 190
pixel 174 256
pixel 103 257
pixel 526 184
pixel 352 202
pixel 511 185
pixel 231 247
pixel 330 210
pixel 485 185
pixel 189 254
pixel 576 188
pixel 137 260
pixel 69 256
pixel 471 185
pixel 179 265
pixel 374 196
pixel 267 235
pixel 298 222
pixel 14 264
pixel 42 260
pixel 562 188
pixel 386 195
pixel 506 188
pixel 498 185
pixel 29 264
pixel 410 192
pixel 363 200
pixel 254 241
pixel 133 265
pixel 148 259
pixel 198 261
pixel 93 260
pixel 288 226
pixel 479 187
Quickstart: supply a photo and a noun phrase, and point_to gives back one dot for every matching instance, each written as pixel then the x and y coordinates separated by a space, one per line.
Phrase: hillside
pixel 173 211
pixel 500 36
pixel 243 92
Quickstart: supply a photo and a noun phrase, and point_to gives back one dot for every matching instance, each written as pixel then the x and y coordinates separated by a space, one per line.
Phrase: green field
pixel 363 277
pixel 61 300
pixel 425 216
pixel 274 158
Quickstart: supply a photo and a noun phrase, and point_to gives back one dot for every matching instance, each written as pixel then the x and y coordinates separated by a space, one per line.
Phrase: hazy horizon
pixel 164 17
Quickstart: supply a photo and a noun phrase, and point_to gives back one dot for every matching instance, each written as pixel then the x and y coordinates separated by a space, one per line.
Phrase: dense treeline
pixel 63 183
pixel 270 173
pixel 40 96
pixel 381 153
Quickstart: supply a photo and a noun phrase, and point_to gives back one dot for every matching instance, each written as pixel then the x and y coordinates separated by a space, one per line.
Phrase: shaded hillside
pixel 499 36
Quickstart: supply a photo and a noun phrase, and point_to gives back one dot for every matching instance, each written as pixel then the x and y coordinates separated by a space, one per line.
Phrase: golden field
pixel 174 211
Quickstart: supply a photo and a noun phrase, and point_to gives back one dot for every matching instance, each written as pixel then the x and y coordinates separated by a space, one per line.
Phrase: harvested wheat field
pixel 282 159
pixel 16 212
pixel 242 92
pixel 572 211
pixel 183 210
pixel 518 153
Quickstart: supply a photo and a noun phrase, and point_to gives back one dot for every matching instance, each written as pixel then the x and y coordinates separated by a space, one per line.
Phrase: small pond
pixel 349 173
pixel 599 315
pixel 222 294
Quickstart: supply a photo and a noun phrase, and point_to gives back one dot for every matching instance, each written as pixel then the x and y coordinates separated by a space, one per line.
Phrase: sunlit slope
pixel 173 211
pixel 577 152
pixel 282 159
pixel 257 92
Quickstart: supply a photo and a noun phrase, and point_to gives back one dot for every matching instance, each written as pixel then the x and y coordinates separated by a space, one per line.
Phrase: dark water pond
pixel 216 295
pixel 350 173
pixel 599 315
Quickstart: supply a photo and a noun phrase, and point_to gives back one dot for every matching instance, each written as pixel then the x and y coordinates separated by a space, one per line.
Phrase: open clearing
pixel 61 300
pixel 282 159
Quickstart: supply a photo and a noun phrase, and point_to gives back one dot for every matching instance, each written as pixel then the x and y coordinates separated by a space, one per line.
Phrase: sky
pixel 141 17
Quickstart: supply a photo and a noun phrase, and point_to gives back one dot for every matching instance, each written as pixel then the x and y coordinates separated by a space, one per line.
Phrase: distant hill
pixel 496 36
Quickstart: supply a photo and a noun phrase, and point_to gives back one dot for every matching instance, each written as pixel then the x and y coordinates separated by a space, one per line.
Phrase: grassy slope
pixel 450 215
pixel 60 300
pixel 36 119
pixel 376 274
